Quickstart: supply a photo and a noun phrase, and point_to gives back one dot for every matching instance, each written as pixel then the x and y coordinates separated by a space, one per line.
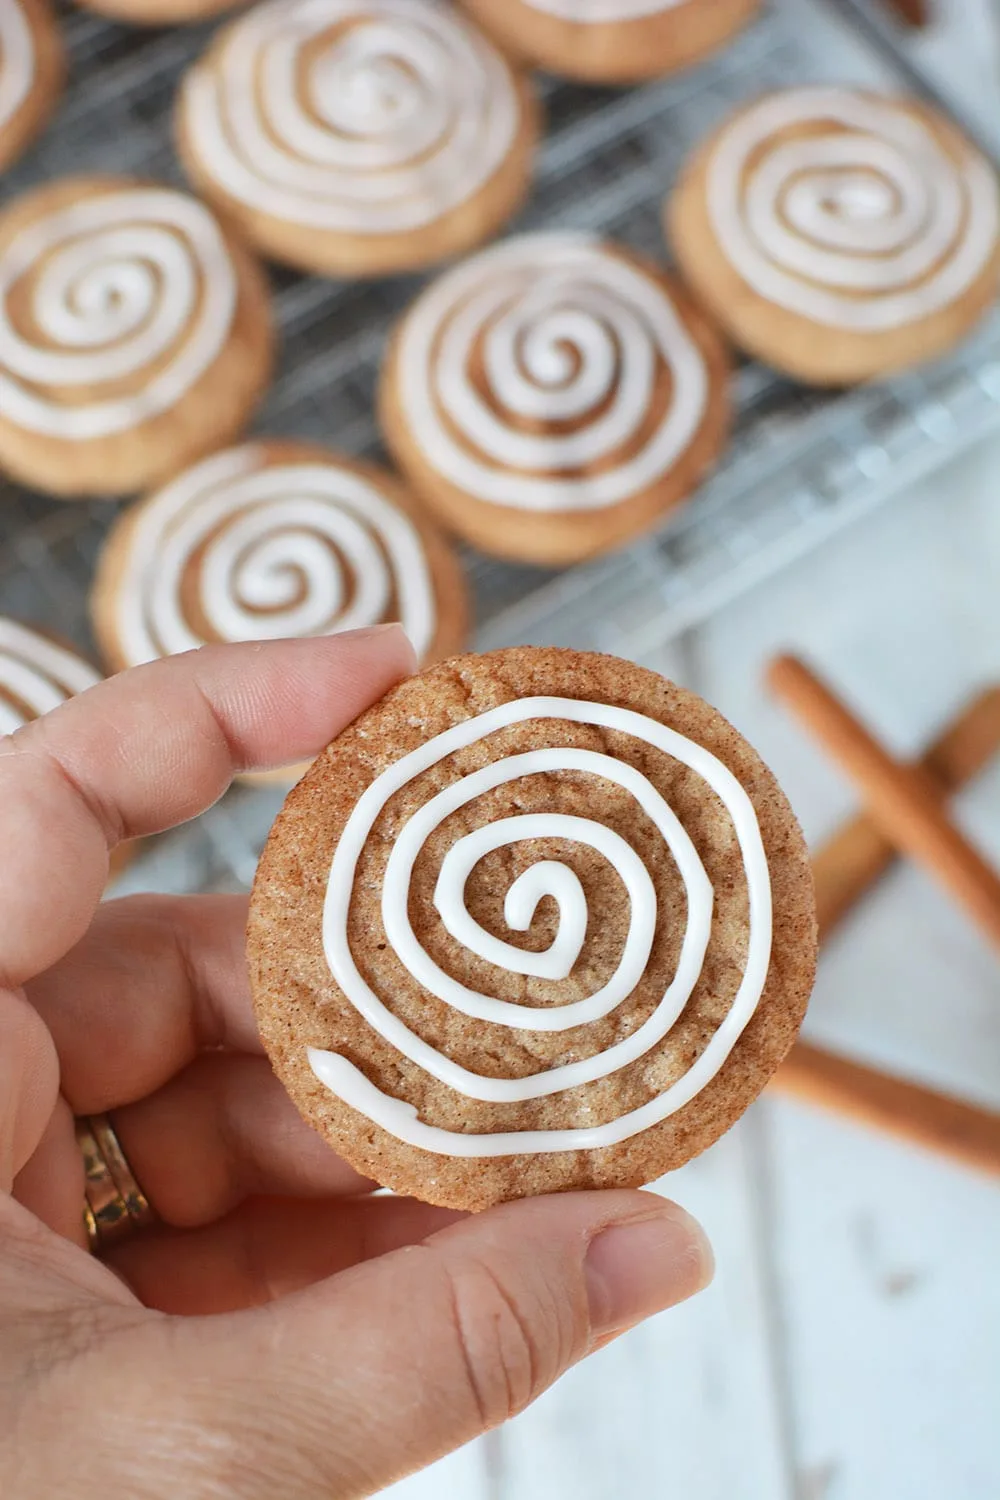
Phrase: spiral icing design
pixel 111 309
pixel 849 210
pixel 455 805
pixel 550 374
pixel 17 60
pixel 36 675
pixel 239 548
pixel 366 117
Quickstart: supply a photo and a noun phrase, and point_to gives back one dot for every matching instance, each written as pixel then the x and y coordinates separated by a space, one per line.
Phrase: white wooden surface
pixel 850 1347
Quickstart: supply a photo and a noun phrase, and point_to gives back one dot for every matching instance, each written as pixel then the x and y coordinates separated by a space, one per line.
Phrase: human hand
pixel 352 1338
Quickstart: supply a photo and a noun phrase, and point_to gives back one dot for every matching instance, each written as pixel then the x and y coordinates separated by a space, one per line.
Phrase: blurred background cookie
pixel 268 540
pixel 358 137
pixel 158 12
pixel 612 41
pixel 553 396
pixel 538 920
pixel 134 335
pixel 36 674
pixel 839 235
pixel 32 69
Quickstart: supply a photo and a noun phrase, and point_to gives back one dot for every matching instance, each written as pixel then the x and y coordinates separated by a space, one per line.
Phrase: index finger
pixel 151 748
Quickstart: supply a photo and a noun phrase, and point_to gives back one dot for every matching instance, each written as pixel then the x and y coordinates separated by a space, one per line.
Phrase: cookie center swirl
pixel 355 116
pixel 550 329
pixel 35 675
pixel 17 60
pixel 132 287
pixel 238 549
pixel 865 222
pixel 545 878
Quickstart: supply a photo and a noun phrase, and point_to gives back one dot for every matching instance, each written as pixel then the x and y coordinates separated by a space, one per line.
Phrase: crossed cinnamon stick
pixel 905 813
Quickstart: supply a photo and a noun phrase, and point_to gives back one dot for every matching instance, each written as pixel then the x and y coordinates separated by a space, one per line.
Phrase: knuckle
pixel 512 1341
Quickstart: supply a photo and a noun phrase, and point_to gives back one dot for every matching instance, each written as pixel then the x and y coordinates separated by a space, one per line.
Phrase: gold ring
pixel 114 1205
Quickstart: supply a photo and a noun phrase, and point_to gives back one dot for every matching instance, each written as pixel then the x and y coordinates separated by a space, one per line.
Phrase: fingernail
pixel 640 1267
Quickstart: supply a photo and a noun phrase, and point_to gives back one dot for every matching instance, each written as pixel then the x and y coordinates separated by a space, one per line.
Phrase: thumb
pixel 383 1368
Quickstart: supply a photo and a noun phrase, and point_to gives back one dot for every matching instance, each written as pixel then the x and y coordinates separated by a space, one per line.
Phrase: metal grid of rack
pixel 801 463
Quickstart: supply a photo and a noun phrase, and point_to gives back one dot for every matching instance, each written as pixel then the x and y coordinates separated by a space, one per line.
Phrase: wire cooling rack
pixel 801 464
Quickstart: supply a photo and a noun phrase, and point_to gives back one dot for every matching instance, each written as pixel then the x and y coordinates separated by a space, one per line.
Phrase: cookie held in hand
pixel 538 920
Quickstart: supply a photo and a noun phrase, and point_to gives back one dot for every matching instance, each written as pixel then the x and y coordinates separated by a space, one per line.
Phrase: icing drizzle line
pixel 560 330
pixel 547 877
pixel 36 675
pixel 263 550
pixel 868 224
pixel 358 116
pixel 134 284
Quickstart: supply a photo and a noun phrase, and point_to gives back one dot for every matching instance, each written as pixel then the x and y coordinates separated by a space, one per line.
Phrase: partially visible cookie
pixel 135 335
pixel 839 235
pixel 358 137
pixel 613 41
pixel 553 397
pixel 32 69
pixel 272 539
pixel 158 12
pixel 37 674
pixel 538 920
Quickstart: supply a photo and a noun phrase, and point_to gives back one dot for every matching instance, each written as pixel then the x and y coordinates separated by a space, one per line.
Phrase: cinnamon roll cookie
pixel 32 67
pixel 135 335
pixel 839 235
pixel 273 539
pixel 553 397
pixel 538 920
pixel 358 137
pixel 36 674
pixel 158 12
pixel 612 41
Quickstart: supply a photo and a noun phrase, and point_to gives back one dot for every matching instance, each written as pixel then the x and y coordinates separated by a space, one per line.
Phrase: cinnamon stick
pixel 903 800
pixel 967 1133
pixel 854 858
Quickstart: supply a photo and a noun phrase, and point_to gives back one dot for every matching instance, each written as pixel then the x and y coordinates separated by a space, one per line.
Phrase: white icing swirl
pixel 264 550
pixel 590 12
pixel 865 223
pixel 357 116
pixel 133 285
pixel 35 675
pixel 551 331
pixel 551 878
pixel 17 60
